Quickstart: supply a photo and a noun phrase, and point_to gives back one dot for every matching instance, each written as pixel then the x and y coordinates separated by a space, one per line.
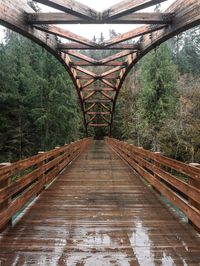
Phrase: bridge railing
pixel 177 181
pixel 21 181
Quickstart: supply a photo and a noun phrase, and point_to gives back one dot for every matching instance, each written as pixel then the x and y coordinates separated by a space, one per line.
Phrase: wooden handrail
pixel 159 171
pixel 23 180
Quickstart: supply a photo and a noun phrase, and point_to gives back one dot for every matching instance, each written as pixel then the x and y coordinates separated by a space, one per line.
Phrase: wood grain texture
pixel 39 27
pixel 99 212
pixel 42 169
pixel 178 191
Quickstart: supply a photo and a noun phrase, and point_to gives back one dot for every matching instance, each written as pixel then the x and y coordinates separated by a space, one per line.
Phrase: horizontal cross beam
pixel 98 113
pixel 110 76
pixel 144 18
pixel 78 46
pixel 99 90
pixel 64 18
pixel 98 125
pixel 84 63
pixel 98 101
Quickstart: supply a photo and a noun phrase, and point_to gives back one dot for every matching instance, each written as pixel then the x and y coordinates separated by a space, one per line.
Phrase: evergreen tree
pixel 38 103
pixel 158 90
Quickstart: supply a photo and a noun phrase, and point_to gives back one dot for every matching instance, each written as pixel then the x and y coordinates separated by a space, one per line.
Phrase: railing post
pixel 195 183
pixel 157 164
pixel 65 152
pixel 4 205
pixel 54 157
pixel 41 165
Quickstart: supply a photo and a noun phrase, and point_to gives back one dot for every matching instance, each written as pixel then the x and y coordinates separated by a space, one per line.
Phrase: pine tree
pixel 38 103
pixel 158 90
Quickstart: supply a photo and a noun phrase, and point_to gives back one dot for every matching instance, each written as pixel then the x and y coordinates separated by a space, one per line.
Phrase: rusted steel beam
pixel 126 7
pixel 72 7
pixel 76 46
pixel 64 18
pixel 133 34
pixel 64 34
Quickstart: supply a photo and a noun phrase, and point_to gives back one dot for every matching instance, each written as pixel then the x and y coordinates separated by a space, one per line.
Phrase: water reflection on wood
pixel 98 212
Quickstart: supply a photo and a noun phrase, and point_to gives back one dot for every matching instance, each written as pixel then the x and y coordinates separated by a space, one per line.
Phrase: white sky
pixel 90 30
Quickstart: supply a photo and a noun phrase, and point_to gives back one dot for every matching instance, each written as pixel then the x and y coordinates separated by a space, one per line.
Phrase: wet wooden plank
pixel 98 212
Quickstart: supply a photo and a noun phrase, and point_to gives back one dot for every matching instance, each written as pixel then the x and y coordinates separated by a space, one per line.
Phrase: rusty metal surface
pixel 99 213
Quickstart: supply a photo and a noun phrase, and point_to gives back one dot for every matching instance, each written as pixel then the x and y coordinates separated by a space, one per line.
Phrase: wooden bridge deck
pixel 98 212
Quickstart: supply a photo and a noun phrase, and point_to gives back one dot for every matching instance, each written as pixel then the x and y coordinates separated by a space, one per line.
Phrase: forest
pixel 158 107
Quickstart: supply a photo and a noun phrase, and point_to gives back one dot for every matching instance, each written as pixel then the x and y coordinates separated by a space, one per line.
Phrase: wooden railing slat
pixel 167 184
pixel 47 166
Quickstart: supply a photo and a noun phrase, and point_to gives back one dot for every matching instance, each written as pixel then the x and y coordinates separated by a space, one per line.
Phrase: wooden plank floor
pixel 98 212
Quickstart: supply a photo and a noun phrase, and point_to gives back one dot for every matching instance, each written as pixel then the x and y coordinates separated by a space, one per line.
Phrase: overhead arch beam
pixel 181 16
pixel 72 7
pixel 12 16
pixel 57 31
pixel 133 34
pixel 76 46
pixel 126 7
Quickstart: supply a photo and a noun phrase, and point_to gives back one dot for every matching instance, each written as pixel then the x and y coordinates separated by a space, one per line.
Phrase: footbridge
pixel 99 203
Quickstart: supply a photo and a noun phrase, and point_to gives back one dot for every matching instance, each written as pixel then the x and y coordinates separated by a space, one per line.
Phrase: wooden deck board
pixel 98 212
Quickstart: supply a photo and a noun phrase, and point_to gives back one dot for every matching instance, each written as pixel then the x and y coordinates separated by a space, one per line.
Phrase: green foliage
pixel 186 50
pixel 157 96
pixel 159 102
pixel 148 98
pixel 39 107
